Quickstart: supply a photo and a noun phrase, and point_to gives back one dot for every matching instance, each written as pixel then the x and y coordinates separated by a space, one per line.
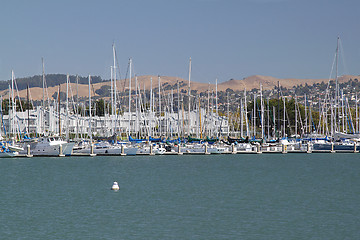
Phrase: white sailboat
pixel 6 149
pixel 50 145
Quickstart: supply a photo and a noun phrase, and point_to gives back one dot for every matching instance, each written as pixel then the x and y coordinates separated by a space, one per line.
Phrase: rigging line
pixel 118 97
pixel 301 122
pixel 19 134
pixel 93 89
pixel 127 72
pixel 72 97
pixel 342 53
pixel 142 114
pixel 16 118
pixel 2 118
pixel 47 93
pixel 349 119
pixel 32 102
pixel 332 70
pixel 117 64
pixel 311 119
pixel 321 113
pixel 18 95
pixel 286 112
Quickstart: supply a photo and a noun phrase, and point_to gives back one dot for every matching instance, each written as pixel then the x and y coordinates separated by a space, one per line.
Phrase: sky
pixel 226 39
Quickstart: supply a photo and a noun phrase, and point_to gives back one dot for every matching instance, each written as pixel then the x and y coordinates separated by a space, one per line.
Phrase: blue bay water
pixel 264 196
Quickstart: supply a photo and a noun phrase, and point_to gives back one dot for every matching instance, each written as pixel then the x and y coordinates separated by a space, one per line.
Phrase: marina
pixel 163 120
pixel 200 149
pixel 184 120
pixel 55 147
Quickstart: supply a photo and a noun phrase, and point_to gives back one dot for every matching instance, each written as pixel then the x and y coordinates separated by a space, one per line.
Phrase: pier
pixel 153 150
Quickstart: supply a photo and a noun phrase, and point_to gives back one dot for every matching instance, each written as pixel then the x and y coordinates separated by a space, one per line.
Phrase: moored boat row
pixel 55 146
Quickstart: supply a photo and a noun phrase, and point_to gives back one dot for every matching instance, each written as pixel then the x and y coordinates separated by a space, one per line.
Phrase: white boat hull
pixel 49 148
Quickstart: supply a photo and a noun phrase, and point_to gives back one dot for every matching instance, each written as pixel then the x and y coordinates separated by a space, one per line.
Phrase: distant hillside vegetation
pixel 102 88
pixel 52 80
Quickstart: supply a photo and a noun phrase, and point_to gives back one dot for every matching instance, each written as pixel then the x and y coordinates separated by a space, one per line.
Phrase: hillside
pixel 270 82
pixel 101 88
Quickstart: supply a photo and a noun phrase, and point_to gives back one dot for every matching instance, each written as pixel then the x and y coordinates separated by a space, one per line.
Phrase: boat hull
pixel 8 154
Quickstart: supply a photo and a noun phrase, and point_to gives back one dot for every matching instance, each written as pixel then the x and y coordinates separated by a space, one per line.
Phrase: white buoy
pixel 115 186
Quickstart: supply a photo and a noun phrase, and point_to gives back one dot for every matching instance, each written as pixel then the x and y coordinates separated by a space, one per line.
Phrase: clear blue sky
pixel 225 38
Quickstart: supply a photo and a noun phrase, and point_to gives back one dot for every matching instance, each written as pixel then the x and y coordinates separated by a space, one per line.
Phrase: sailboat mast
pixel 216 106
pixel 28 108
pixel 13 109
pixel 129 130
pixel 183 118
pixel 216 97
pixel 245 114
pixel 228 112
pixel 136 106
pixel 206 128
pixel 159 85
pixel 111 99
pixel 77 107
pixel 356 114
pixel 59 112
pixel 171 112
pixel 342 111
pixel 310 117
pixel 306 115
pixel 274 122
pixel 336 70
pixel 90 117
pixel 241 118
pixel 212 125
pixel 278 111
pixel 67 107
pixel 151 107
pixel 332 117
pixel 43 101
pixel 115 90
pixel 284 123
pixel 262 112
pixel 358 119
pixel 200 129
pixel 295 116
pixel 2 119
pixel 189 98
pixel 178 107
pixel 268 119
pixel 254 116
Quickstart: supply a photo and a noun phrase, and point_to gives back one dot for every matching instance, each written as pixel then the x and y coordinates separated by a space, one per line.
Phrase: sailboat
pixel 49 145
pixel 9 149
pixel 343 135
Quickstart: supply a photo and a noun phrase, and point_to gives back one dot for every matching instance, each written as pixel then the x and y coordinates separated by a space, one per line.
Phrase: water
pixel 265 196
